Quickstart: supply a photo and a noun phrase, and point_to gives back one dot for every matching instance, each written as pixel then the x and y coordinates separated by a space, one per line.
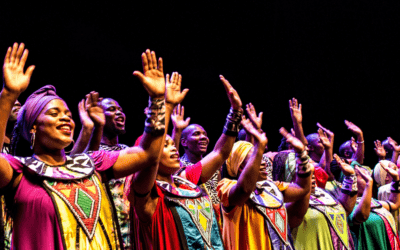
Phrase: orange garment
pixel 244 227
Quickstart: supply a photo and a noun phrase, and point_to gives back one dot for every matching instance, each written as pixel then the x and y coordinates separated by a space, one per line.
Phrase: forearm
pixel 176 136
pixel 395 157
pixel 299 133
pixel 95 140
pixel 328 155
pixel 359 154
pixel 83 140
pixel 363 209
pixel 348 202
pixel 302 184
pixel 7 101
pixel 297 210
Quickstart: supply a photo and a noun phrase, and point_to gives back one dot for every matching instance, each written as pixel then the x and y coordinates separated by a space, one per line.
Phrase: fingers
pixel 284 133
pixel 260 115
pixel 292 132
pixel 13 52
pixel 167 79
pixel 154 59
pixel 95 98
pixel 81 106
pixel 149 60
pixel 145 61
pixel 337 158
pixel 160 64
pixel 226 84
pixel 182 110
pixel 19 53
pixel 7 57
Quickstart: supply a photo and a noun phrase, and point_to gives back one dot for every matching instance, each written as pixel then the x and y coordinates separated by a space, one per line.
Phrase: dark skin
pixel 51 120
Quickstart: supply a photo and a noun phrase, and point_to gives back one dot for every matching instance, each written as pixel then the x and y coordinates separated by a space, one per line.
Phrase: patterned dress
pixel 6 219
pixel 116 188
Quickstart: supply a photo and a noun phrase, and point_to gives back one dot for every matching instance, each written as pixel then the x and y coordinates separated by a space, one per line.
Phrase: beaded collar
pixel 267 195
pixel 184 188
pixel 76 167
pixel 322 198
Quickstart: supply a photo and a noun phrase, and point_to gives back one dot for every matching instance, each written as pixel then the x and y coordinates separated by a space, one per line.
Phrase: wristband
pixel 303 169
pixel 395 187
pixel 232 123
pixel 360 142
pixel 349 185
pixel 155 112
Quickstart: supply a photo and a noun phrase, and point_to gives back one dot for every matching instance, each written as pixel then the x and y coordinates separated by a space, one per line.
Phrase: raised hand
pixel 392 170
pixel 15 80
pixel 296 143
pixel 233 96
pixel 379 149
pixel 346 168
pixel 178 116
pixel 83 114
pixel 258 134
pixel 173 93
pixel 295 110
pixel 94 110
pixel 324 139
pixel 362 172
pixel 393 143
pixel 152 77
pixel 256 120
pixel 329 133
pixel 353 128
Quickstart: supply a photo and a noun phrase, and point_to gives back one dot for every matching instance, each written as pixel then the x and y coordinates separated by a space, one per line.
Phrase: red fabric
pixel 193 172
pixel 321 177
pixel 393 239
pixel 161 232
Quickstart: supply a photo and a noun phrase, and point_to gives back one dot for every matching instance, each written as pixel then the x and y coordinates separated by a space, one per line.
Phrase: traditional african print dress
pixel 378 232
pixel 383 195
pixel 183 219
pixel 63 207
pixel 324 226
pixel 121 204
pixel 259 224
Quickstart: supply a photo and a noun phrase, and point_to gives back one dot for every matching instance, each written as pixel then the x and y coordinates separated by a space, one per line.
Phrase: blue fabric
pixel 193 236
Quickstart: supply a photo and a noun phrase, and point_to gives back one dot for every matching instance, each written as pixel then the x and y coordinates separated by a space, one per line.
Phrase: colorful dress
pixel 324 226
pixel 6 219
pixel 383 195
pixel 116 189
pixel 183 218
pixel 377 232
pixel 63 207
pixel 261 223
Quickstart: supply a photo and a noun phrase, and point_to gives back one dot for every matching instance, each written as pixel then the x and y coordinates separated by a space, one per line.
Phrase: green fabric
pixel 313 232
pixel 371 234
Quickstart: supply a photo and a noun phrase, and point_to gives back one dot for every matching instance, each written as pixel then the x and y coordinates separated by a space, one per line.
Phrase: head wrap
pixel 32 108
pixel 238 154
pixel 380 173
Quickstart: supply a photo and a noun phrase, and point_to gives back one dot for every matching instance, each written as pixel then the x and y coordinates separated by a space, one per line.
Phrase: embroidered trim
pixel 83 198
pixel 155 112
pixel 77 167
pixel 264 190
pixel 277 218
pixel 201 212
pixel 385 214
pixel 322 198
pixel 193 190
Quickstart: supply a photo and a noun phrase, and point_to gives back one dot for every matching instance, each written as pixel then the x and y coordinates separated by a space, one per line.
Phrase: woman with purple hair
pixel 58 200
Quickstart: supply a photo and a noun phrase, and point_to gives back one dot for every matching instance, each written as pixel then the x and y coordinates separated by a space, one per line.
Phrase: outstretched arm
pixel 393 203
pixel 246 183
pixel 297 118
pixel 255 120
pixel 179 123
pixel 133 159
pixel 361 213
pixel 214 160
pixel 93 121
pixel 327 142
pixel 297 195
pixel 15 82
pixel 359 154
pixel 348 194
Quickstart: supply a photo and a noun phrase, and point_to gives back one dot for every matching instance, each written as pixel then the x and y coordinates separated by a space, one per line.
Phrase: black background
pixel 339 58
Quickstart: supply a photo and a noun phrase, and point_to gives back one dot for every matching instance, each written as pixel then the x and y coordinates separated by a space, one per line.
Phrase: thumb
pixel 139 75
pixel 29 71
pixel 187 120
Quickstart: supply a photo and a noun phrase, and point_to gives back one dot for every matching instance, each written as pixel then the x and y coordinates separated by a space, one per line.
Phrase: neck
pixel 193 158
pixel 315 157
pixel 52 158
pixel 109 140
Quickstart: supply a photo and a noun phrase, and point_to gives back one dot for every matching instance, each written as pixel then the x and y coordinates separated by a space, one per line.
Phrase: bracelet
pixel 349 185
pixel 360 142
pixel 395 187
pixel 303 169
pixel 155 112
pixel 232 123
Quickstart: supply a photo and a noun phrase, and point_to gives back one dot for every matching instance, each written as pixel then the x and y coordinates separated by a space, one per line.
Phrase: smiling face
pixel 54 127
pixel 169 162
pixel 195 140
pixel 115 117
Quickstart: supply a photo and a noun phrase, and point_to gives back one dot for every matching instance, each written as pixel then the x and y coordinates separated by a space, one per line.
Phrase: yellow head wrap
pixel 238 154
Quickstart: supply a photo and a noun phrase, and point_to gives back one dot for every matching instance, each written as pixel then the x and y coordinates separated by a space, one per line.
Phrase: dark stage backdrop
pixel 339 58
